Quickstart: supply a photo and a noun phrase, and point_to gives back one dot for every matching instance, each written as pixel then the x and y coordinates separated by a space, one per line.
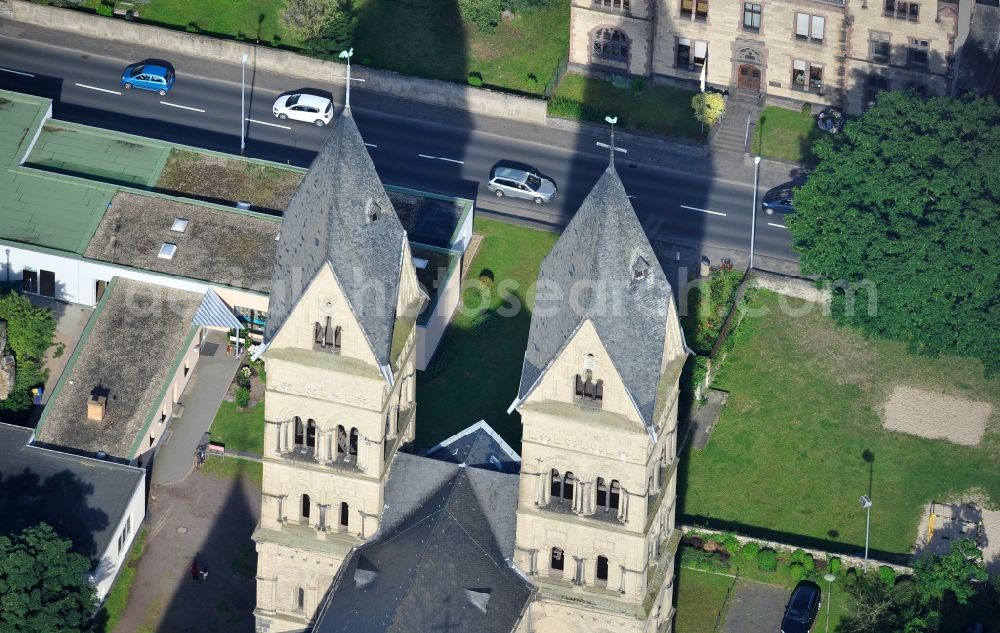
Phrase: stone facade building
pixel 356 536
pixel 835 52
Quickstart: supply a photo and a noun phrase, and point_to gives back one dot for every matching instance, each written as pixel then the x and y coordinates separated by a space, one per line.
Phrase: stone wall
pixel 796 287
pixel 441 93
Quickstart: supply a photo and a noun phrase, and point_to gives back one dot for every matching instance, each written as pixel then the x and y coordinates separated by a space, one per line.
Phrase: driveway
pixel 755 608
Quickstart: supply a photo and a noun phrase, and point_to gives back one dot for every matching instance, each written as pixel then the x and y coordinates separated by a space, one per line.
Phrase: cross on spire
pixel 611 148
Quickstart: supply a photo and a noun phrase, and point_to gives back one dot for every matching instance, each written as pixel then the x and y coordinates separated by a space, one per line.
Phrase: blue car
pixel 148 77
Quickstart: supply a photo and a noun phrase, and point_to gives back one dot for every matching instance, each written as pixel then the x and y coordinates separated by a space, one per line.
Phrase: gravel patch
pixel 936 416
pixel 755 608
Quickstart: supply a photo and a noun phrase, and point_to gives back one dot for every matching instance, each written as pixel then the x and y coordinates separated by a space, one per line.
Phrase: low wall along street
pixel 442 93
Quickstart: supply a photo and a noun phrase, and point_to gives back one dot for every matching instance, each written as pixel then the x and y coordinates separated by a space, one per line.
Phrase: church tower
pixel 339 351
pixel 598 405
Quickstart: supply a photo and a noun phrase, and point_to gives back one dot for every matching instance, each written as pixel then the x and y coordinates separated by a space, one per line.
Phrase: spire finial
pixel 611 148
pixel 347 55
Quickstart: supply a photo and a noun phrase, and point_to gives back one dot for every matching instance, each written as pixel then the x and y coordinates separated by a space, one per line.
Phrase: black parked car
pixel 802 608
pixel 779 199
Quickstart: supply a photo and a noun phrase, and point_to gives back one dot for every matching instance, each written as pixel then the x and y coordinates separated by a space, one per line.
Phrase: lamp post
pixel 243 110
pixel 347 96
pixel 753 214
pixel 829 598
pixel 866 503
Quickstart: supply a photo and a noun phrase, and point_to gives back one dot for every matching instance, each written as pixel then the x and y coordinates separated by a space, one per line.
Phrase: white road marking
pixel 114 92
pixel 780 226
pixel 284 127
pixel 16 72
pixel 702 210
pixel 450 160
pixel 174 105
pixel 633 197
pixel 372 145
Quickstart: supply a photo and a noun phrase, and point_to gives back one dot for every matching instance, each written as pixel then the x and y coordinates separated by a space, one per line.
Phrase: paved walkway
pixel 213 518
pixel 755 608
pixel 212 376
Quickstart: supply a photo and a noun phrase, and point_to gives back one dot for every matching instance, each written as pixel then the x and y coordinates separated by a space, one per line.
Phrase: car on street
pixel 800 613
pixel 304 107
pixel 780 199
pixel 148 77
pixel 521 183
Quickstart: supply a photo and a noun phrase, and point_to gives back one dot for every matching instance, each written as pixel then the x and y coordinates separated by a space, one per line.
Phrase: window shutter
pixel 802 24
pixel 818 24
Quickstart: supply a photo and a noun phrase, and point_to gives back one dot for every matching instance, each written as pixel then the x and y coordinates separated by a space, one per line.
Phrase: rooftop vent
pixel 96 406
pixel 245 206
pixel 640 268
pixel 167 251
pixel 420 263
pixel 179 225
pixel 479 598
pixel 372 211
pixel 102 455
pixel 365 572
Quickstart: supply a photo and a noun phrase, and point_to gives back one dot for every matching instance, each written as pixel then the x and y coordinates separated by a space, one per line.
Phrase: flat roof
pixel 226 247
pixel 82 498
pixel 128 352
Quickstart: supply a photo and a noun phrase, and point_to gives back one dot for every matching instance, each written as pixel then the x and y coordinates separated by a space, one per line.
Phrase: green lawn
pixel 117 599
pixel 475 373
pixel 233 468
pixel 661 110
pixel 239 430
pixel 248 19
pixel 701 598
pixel 785 134
pixel 787 458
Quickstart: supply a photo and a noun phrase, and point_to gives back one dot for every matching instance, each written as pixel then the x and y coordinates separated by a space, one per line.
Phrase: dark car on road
pixel 802 608
pixel 780 199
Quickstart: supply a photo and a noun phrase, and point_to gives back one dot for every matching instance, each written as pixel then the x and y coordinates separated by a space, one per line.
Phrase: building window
pixel 615 496
pixel 556 561
pixel 561 487
pixel 809 28
pixel 311 434
pixel 694 9
pixel 306 505
pixel 876 84
pixel 123 537
pixel 587 390
pixel 918 53
pixel 602 570
pixel 602 494
pixel 878 46
pixel 902 10
pixel 300 599
pixel 341 442
pixel 611 44
pixel 252 320
pixel 613 5
pixel 345 516
pixel 683 52
pixel 353 450
pixel 326 337
pixel 751 16
pixel 807 76
pixel 299 432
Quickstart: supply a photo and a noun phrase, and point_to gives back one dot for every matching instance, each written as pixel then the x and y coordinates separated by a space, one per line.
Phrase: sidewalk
pixel 213 374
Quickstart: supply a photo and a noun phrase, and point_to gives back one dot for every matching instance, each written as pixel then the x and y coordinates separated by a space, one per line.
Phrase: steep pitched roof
pixel 478 446
pixel 328 221
pixel 442 561
pixel 605 271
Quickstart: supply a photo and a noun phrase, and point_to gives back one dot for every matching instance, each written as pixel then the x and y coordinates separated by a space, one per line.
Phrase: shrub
pixel 797 556
pixel 105 9
pixel 243 377
pixel 835 566
pixel 851 577
pixel 797 571
pixel 767 560
pixel 242 397
pixel 708 107
pixel 887 574
pixel 308 19
pixel 749 551
pixel 475 79
pixel 808 563
pixel 731 543
pixel 483 14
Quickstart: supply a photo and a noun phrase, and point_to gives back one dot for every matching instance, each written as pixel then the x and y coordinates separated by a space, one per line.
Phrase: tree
pixel 484 14
pixel 878 607
pixel 708 107
pixel 43 585
pixel 307 19
pixel 958 573
pixel 29 328
pixel 903 207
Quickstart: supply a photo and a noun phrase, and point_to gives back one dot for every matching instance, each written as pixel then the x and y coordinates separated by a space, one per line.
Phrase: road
pixel 680 198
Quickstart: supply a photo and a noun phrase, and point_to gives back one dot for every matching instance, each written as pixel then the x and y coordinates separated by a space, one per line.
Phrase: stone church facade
pixel 834 52
pixel 576 536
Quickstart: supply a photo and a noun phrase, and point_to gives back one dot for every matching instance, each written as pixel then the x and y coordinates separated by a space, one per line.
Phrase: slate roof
pixel 327 221
pixel 478 447
pixel 440 561
pixel 82 498
pixel 979 53
pixel 593 266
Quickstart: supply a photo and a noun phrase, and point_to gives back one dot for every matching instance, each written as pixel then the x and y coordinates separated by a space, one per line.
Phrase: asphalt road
pixel 679 197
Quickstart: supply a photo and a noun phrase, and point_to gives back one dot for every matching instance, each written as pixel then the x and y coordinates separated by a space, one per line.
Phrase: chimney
pixel 95 408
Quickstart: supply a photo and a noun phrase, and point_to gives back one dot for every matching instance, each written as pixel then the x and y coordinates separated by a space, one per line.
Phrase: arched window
pixel 555 487
pixel 300 599
pixel 567 492
pixel 341 441
pixel 305 507
pixel 556 560
pixel 299 431
pixel 354 443
pixel 602 569
pixel 602 494
pixel 311 434
pixel 587 390
pixel 615 495
pixel 345 515
pixel 611 44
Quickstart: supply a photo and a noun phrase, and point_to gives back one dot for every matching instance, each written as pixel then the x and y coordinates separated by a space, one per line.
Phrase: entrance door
pixel 748 77
pixel 29 281
pixel 47 283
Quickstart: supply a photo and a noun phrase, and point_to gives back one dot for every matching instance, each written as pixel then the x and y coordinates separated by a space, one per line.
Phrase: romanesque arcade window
pixel 611 44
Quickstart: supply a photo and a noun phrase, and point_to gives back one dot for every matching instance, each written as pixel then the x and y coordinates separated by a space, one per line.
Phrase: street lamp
pixel 243 109
pixel 829 598
pixel 753 214
pixel 866 503
pixel 347 96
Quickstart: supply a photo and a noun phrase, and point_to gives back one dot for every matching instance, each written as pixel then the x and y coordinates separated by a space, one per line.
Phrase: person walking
pixel 204 574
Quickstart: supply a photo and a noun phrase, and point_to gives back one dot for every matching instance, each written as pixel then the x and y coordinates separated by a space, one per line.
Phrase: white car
pixel 302 107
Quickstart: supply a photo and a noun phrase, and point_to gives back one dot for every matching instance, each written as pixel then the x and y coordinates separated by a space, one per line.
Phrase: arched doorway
pixel 749 69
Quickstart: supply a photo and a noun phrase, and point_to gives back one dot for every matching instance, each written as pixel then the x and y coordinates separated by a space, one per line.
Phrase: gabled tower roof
pixel 603 269
pixel 341 215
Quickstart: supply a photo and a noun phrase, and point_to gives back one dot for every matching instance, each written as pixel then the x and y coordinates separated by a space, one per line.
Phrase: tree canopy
pixel 43 585
pixel 904 206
